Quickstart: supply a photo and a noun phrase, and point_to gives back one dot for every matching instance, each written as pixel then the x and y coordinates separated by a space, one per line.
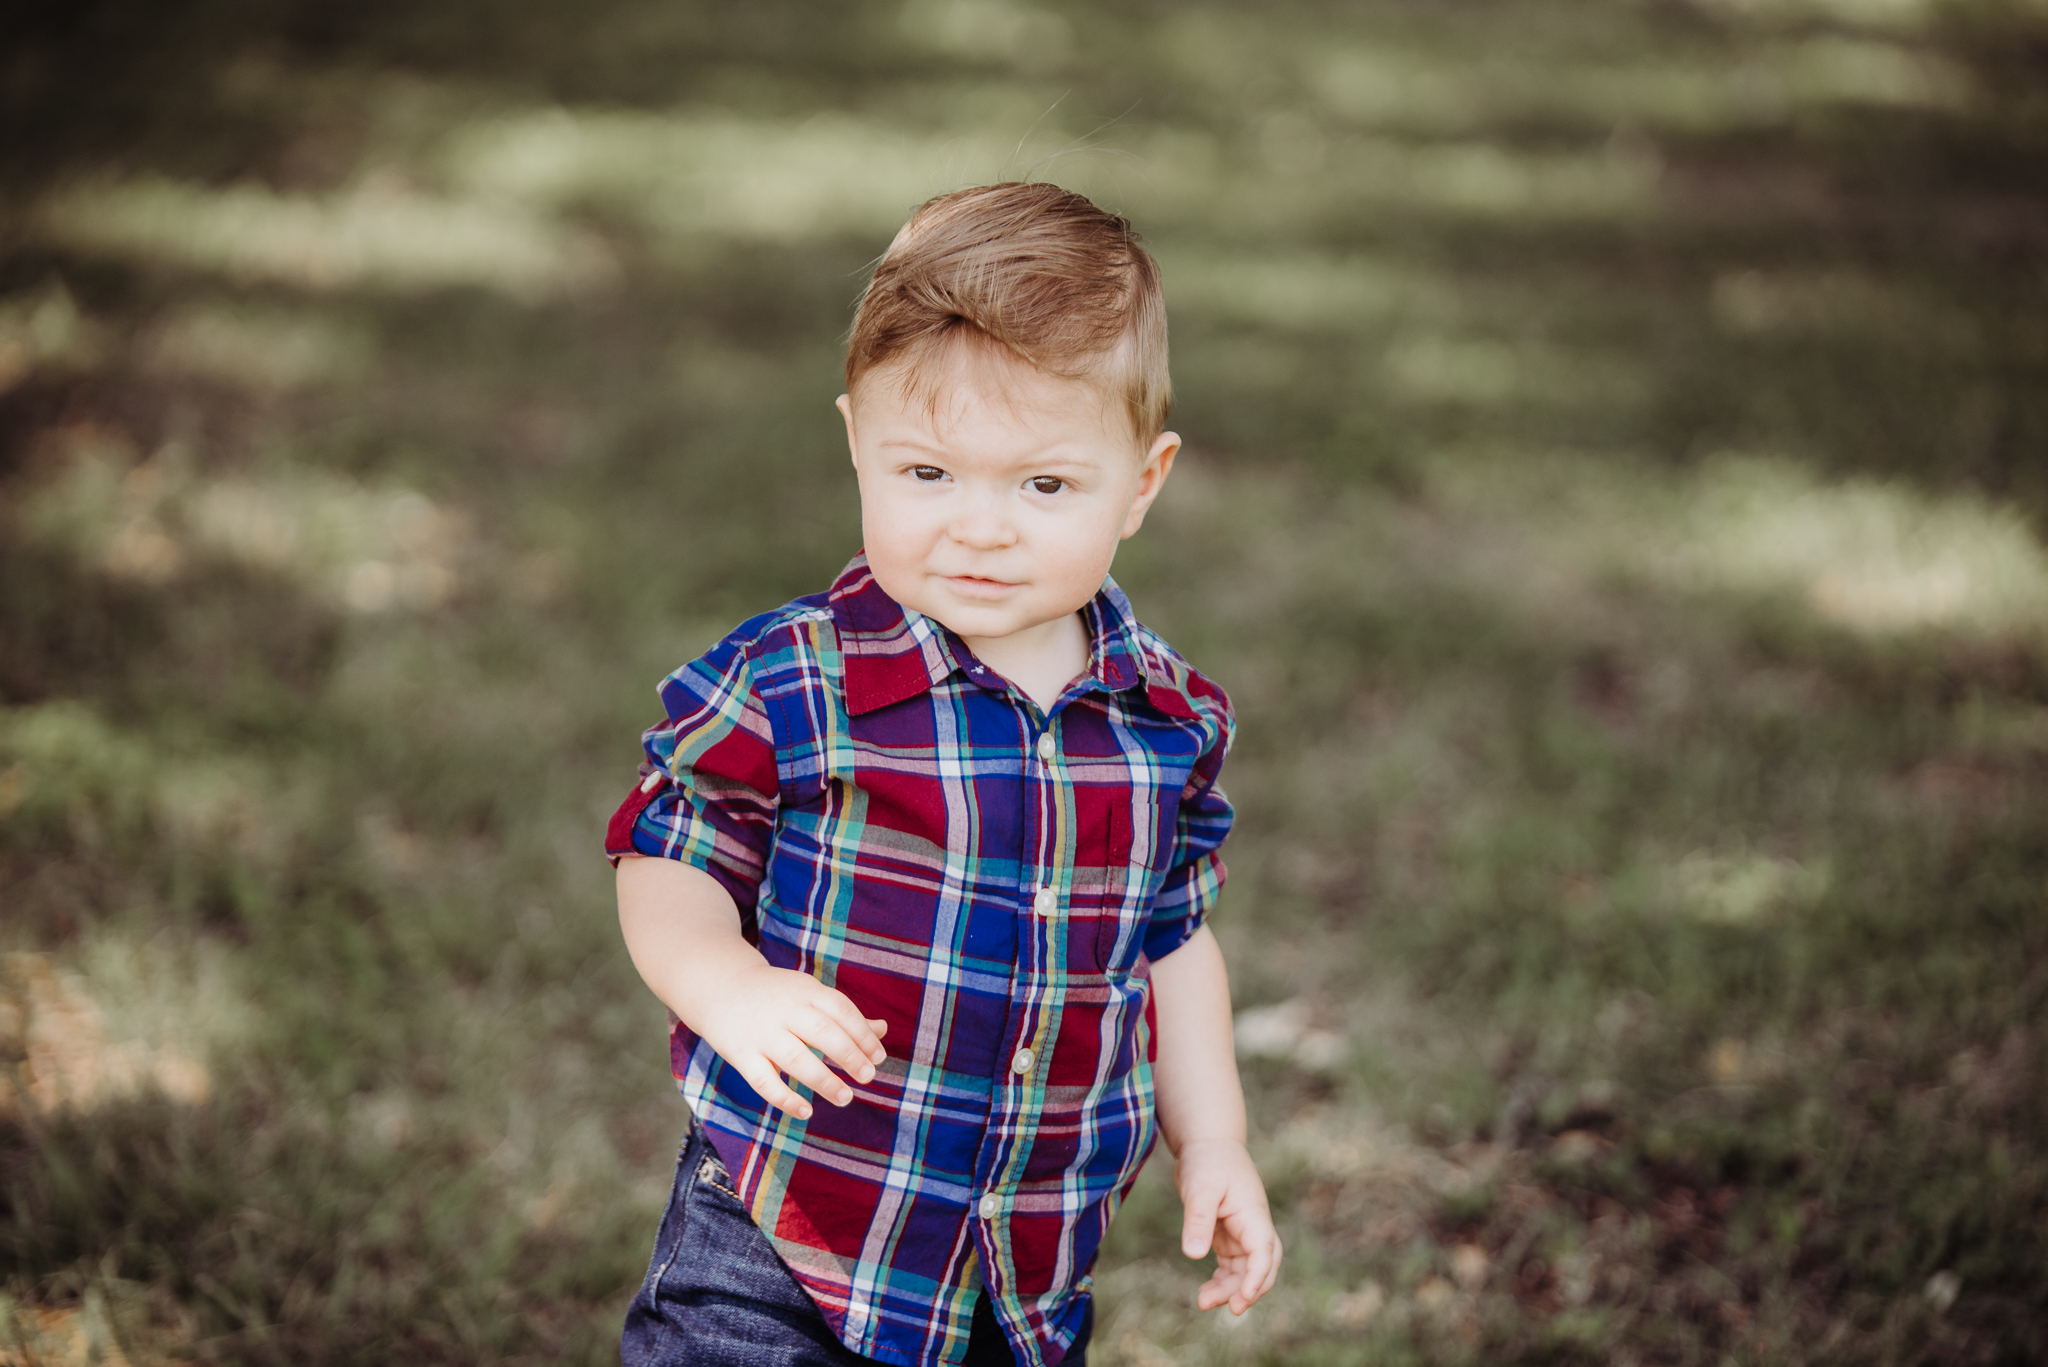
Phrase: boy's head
pixel 1006 391
pixel 1037 270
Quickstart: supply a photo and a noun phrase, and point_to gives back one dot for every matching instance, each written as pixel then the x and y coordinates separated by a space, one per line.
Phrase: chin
pixel 978 623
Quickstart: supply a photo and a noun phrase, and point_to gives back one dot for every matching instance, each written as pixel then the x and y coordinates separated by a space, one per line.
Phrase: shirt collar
pixel 891 653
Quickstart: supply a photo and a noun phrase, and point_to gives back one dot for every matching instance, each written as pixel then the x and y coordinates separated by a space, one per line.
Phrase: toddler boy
pixel 935 847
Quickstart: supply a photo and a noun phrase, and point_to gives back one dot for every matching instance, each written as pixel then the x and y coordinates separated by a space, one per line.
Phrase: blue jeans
pixel 718 1295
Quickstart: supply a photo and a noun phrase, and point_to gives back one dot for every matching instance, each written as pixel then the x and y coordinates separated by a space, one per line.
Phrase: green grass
pixel 1613 497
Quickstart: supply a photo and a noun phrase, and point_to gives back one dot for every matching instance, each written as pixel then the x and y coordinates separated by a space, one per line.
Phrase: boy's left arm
pixel 1201 1116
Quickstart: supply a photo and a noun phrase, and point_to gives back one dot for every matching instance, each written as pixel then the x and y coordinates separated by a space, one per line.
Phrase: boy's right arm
pixel 683 932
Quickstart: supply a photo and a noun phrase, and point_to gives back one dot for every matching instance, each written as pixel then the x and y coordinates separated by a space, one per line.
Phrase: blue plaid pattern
pixel 894 818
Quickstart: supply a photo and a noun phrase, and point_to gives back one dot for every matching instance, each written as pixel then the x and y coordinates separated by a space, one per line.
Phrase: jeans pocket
pixel 669 1239
pixel 711 1174
pixel 720 1252
pixel 716 1291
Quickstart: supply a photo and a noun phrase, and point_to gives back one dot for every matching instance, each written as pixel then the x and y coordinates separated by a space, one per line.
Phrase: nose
pixel 983 524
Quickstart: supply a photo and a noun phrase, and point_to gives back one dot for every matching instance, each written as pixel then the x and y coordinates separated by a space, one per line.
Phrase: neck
pixel 1040 660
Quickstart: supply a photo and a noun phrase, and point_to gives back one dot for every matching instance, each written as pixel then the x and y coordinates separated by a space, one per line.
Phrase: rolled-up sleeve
pixel 709 790
pixel 1194 877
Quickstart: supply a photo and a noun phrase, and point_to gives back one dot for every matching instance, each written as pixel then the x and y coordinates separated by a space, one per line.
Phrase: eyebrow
pixel 1036 458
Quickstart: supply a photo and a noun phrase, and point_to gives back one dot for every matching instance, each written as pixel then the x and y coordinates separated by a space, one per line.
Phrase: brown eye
pixel 1046 484
pixel 927 473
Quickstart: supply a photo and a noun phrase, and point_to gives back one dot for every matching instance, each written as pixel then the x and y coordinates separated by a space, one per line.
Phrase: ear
pixel 844 403
pixel 1158 465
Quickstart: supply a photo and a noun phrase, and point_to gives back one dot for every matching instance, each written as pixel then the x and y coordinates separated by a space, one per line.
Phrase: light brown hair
pixel 1034 268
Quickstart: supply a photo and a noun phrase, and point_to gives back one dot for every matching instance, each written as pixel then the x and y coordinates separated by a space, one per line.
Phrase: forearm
pixel 683 932
pixel 1201 1116
pixel 1194 1078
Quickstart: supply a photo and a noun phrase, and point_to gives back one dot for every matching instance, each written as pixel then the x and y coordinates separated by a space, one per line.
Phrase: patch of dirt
pixel 55 1051
pixel 50 1337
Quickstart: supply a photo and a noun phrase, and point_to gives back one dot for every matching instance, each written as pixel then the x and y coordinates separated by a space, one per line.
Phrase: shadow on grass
pixel 302 1237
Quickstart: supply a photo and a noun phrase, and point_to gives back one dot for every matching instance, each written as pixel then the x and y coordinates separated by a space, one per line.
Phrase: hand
pixel 1226 1205
pixel 765 1022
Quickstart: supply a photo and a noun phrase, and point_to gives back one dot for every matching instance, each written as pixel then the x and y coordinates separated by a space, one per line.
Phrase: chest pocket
pixel 1121 908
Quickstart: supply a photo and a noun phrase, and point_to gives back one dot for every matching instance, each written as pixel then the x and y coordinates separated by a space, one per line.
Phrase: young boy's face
pixel 999 513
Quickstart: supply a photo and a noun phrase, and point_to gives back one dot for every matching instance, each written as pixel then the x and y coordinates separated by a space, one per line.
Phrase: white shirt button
pixel 1046 748
pixel 1047 902
pixel 1022 1063
pixel 989 1206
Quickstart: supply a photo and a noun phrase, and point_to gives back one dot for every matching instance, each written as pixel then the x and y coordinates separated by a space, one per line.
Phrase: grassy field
pixel 1616 489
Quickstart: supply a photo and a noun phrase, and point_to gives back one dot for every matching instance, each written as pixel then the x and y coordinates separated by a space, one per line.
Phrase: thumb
pixel 1199 1224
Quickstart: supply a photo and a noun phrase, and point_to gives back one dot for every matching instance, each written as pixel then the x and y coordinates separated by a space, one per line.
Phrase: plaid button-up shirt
pixel 895 819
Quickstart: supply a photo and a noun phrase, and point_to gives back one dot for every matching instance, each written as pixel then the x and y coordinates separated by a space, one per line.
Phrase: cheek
pixel 894 530
pixel 1084 553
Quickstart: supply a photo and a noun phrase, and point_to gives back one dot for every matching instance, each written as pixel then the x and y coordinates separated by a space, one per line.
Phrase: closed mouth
pixel 975 585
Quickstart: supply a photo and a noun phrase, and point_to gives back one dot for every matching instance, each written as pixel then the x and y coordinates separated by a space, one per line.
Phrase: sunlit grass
pixel 1717 90
pixel 1869 556
pixel 259 348
pixel 378 234
pixel 155 520
pixel 44 331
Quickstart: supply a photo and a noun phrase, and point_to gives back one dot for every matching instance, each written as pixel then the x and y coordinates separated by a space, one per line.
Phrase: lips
pixel 974 586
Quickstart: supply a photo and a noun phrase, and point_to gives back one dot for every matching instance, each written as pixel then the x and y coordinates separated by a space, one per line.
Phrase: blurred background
pixel 1614 495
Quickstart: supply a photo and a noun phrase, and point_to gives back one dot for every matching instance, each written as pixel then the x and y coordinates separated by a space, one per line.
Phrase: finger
pixel 767 1084
pixel 795 1058
pixel 1258 1272
pixel 1198 1225
pixel 848 1020
pixel 822 1033
pixel 839 1008
pixel 1272 1268
pixel 1217 1290
pixel 1248 1290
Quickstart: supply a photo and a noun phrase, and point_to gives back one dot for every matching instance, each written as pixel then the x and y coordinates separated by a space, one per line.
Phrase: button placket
pixel 1045 907
pixel 1047 902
